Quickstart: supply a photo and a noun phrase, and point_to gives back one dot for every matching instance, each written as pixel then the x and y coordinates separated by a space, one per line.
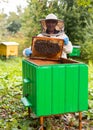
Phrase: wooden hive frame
pixel 50 41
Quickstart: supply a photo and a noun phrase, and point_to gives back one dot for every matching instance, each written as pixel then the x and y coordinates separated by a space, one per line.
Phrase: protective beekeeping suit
pixel 53 27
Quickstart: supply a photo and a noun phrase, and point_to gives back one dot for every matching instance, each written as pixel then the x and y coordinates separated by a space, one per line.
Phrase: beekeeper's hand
pixel 66 40
pixel 27 52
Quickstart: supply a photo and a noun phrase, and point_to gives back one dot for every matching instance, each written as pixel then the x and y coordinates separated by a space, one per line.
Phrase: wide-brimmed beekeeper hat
pixel 59 26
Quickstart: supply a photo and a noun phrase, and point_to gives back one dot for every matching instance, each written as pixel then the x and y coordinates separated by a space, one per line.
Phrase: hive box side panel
pixel 71 88
pixel 23 77
pixel 29 89
pixel 75 52
pixel 43 91
pixel 2 50
pixel 58 89
pixel 83 88
pixel 12 50
pixel 68 88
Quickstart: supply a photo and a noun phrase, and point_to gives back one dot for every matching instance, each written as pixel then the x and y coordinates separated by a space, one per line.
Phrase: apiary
pixel 54 85
pixel 8 49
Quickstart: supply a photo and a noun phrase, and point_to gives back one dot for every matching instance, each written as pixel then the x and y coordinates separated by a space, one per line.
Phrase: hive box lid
pixel 46 48
pixel 9 43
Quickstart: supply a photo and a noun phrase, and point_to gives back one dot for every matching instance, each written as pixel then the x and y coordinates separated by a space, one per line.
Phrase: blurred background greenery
pixel 20 26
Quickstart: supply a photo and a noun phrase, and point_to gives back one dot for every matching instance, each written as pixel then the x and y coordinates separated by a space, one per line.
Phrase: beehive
pixel 8 49
pixel 55 87
pixel 75 52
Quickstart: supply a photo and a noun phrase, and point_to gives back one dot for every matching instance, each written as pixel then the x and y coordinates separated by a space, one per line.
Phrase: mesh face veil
pixel 60 24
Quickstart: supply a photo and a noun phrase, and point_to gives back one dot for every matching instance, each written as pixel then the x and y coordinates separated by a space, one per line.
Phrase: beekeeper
pixel 53 27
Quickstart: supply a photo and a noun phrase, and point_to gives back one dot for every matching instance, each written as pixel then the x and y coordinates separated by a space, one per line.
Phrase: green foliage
pixel 3 24
pixel 14 22
pixel 10 92
pixel 31 18
pixel 83 2
pixel 87 51
pixel 77 16
pixel 14 26
pixel 87 46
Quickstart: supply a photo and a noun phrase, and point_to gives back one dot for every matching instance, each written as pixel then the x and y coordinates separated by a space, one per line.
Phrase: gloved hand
pixel 27 52
pixel 66 40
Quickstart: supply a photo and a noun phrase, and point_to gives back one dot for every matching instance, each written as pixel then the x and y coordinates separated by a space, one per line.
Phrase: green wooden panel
pixel 58 89
pixel 83 88
pixel 24 77
pixel 32 86
pixel 75 52
pixel 43 91
pixel 71 88
pixel 29 89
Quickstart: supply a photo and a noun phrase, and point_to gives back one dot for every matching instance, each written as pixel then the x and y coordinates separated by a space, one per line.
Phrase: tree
pixel 76 16
pixel 3 24
pixel 14 26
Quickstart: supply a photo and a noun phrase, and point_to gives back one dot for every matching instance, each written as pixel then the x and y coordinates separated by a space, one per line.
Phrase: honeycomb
pixel 47 47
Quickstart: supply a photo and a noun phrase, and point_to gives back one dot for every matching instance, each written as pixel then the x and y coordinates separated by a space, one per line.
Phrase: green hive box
pixel 75 52
pixel 55 87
